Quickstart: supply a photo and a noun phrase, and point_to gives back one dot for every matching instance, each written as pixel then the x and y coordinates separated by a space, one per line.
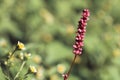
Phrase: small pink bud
pixel 74 46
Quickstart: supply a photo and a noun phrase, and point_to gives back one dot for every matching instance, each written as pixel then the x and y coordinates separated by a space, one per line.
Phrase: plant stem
pixel 72 65
pixel 68 73
pixel 13 52
pixel 20 70
pixel 7 77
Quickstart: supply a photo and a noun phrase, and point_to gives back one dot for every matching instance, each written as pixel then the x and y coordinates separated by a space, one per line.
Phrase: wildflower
pixel 27 56
pixel 47 16
pixel 5 62
pixel 70 29
pixel 61 68
pixel 54 77
pixel 40 73
pixel 32 69
pixel 116 53
pixel 9 55
pixel 20 46
pixel 77 47
pixel 37 59
pixel 3 43
pixel 47 38
pixel 21 56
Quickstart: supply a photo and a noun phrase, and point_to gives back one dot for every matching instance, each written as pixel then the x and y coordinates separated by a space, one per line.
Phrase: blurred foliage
pixel 47 27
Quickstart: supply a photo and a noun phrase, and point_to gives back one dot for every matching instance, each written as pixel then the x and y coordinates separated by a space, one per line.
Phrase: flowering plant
pixel 77 47
pixel 10 60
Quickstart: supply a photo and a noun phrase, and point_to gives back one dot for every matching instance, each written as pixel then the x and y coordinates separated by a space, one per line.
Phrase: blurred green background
pixel 47 28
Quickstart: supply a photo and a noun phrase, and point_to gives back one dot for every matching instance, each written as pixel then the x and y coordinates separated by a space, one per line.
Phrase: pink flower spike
pixel 80 34
pixel 81 30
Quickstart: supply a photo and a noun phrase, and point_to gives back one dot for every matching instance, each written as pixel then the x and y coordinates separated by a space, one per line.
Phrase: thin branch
pixel 20 70
pixel 71 65
pixel 68 73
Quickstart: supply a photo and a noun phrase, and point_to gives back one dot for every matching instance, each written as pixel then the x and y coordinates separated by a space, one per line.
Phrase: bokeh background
pixel 47 28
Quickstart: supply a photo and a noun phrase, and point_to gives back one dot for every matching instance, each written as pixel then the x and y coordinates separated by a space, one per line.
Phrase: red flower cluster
pixel 81 32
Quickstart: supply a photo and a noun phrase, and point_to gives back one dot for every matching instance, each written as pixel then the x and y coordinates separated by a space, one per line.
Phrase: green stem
pixel 13 52
pixel 20 70
pixel 26 75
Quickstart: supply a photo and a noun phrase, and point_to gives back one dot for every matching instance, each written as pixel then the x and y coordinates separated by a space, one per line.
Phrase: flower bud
pixel 32 69
pixel 20 46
